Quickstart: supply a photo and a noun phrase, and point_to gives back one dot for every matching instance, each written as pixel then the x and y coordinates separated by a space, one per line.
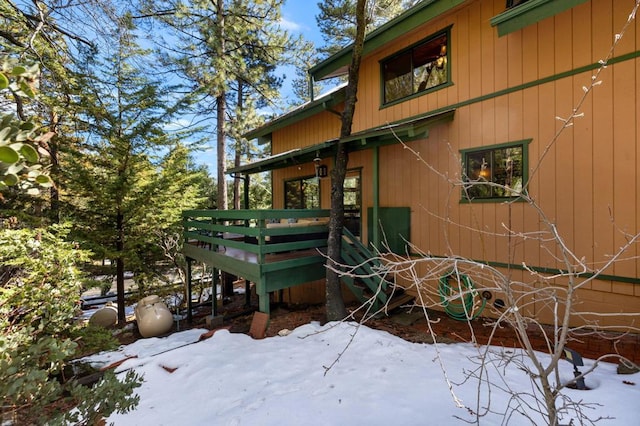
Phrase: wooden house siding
pixel 505 89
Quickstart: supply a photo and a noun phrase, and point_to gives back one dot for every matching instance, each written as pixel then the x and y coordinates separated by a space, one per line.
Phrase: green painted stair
pixel 367 279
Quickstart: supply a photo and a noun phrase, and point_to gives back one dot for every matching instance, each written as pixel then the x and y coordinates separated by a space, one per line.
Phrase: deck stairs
pixel 365 276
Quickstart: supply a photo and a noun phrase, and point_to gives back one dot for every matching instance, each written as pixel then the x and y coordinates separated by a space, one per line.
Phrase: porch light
pixel 321 169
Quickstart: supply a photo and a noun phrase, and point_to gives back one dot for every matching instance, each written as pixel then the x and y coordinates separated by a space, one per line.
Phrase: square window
pixel 497 172
pixel 302 193
pixel 418 69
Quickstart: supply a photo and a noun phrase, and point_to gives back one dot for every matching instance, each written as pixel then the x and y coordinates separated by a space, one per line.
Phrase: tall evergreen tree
pixel 228 52
pixel 116 189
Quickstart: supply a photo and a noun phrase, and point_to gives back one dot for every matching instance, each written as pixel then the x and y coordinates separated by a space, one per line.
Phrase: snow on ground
pixel 232 379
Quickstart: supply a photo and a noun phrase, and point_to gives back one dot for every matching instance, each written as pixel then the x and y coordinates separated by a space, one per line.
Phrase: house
pixel 463 107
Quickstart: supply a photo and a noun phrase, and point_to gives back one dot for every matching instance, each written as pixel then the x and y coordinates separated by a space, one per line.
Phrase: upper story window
pixel 496 172
pixel 302 193
pixel 419 68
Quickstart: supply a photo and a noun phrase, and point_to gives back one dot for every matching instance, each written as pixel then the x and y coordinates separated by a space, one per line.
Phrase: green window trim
pixel 416 70
pixel 486 164
pixel 528 13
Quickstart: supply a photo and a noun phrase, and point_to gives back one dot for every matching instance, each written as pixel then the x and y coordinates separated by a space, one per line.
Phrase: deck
pixel 274 249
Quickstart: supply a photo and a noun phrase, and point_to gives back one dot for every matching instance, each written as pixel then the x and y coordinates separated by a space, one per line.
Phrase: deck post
pixel 189 292
pixel 376 198
pixel 264 301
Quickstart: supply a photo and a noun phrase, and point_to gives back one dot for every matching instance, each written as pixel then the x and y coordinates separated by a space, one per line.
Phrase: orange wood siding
pixel 589 174
pixel 317 129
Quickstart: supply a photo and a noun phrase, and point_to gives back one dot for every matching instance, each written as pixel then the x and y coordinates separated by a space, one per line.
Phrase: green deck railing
pixel 246 243
pixel 254 231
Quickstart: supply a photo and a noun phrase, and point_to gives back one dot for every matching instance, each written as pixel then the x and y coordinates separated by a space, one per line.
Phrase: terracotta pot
pixel 153 316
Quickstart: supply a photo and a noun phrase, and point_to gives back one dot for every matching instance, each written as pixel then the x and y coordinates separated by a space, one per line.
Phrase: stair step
pixel 368 283
pixel 399 300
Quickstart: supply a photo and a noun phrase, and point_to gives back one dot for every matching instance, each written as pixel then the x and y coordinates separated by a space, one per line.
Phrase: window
pixel 302 194
pixel 496 172
pixel 417 69
pixel 352 201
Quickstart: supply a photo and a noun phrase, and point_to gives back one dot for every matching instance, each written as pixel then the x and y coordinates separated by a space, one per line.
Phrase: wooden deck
pixel 273 258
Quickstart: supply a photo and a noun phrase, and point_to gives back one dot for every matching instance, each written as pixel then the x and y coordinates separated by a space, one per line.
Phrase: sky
pixel 375 378
pixel 298 17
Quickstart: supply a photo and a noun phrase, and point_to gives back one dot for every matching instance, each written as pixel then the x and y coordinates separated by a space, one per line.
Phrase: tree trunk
pixel 222 154
pixel 55 169
pixel 335 308
pixel 238 153
pixel 221 109
pixel 120 268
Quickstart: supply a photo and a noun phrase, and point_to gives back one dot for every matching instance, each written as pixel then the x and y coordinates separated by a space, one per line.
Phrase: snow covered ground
pixel 232 379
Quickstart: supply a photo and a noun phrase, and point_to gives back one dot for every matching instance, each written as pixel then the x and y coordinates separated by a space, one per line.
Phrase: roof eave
pixel 286 159
pixel 338 63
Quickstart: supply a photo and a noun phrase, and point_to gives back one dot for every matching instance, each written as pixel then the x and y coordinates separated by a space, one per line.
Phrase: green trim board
pixel 416 127
pixel 545 270
pixel 376 195
pixel 416 16
pixel 529 13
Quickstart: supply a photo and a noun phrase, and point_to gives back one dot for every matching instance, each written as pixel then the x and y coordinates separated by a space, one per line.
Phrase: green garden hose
pixel 463 307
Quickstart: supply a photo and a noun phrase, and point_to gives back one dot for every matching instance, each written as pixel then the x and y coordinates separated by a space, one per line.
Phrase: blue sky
pixel 299 16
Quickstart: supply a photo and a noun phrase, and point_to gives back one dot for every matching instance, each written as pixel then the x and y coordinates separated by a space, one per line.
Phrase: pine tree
pixel 228 52
pixel 114 180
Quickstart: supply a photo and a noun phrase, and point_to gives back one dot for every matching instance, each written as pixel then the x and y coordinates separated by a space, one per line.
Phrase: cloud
pixel 291 25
